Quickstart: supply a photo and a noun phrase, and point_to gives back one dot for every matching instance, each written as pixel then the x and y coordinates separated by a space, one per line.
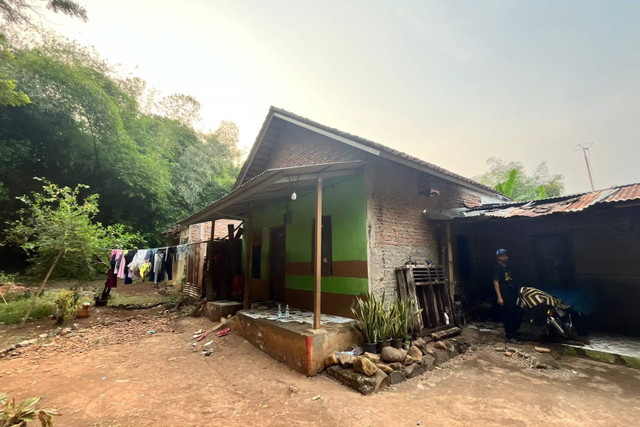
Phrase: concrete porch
pixel 293 341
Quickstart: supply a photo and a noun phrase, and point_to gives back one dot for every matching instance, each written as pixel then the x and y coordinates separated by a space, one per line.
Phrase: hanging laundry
pixel 128 279
pixel 152 270
pixel 112 280
pixel 118 257
pixel 181 251
pixel 168 262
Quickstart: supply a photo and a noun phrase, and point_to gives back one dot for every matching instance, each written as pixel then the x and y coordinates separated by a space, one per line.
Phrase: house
pixel 588 242
pixel 373 202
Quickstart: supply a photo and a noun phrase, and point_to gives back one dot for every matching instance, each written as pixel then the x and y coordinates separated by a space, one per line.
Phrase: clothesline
pixel 162 247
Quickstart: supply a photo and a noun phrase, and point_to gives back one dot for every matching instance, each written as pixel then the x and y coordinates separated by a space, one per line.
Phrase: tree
pixel 85 123
pixel 22 11
pixel 56 228
pixel 511 179
pixel 57 220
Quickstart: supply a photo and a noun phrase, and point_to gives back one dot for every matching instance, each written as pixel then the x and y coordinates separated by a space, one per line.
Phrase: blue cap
pixel 501 252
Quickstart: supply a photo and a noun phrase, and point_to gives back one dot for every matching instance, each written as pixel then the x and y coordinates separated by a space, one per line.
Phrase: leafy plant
pixel 18 416
pixel 57 220
pixel 366 314
pixel 67 304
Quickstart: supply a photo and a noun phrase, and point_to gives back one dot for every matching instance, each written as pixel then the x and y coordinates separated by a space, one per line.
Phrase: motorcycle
pixel 557 319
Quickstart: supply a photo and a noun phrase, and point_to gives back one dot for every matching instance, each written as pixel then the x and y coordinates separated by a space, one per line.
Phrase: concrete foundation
pixel 215 310
pixel 294 344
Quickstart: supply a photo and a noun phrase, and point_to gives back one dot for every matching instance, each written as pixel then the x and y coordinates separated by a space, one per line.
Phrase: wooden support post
pixel 317 293
pixel 248 232
pixel 450 262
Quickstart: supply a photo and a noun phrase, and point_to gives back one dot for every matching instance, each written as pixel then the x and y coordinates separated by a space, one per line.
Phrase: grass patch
pixel 14 311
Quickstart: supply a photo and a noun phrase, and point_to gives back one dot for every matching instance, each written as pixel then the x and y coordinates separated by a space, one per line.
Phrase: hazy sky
pixel 451 82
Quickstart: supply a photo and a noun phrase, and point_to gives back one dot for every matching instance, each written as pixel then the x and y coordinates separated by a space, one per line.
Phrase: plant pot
pixel 82 312
pixel 396 343
pixel 370 347
pixel 383 344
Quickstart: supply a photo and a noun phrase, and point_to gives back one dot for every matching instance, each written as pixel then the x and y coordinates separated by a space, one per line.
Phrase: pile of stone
pixel 371 373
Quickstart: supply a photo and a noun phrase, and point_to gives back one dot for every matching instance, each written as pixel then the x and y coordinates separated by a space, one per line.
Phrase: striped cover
pixel 532 297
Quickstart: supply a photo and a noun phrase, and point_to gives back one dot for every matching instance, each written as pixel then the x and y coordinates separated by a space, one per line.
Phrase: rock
pixel 428 361
pixel 332 360
pixel 430 349
pixel 390 354
pixel 65 331
pixel 43 336
pixel 544 361
pixel 415 353
pixel 375 358
pixel 293 389
pixel 362 383
pixel 396 366
pixel 440 345
pixel 397 377
pixel 384 368
pixel 26 343
pixel 421 344
pixel 441 356
pixel 408 360
pixel 508 353
pixel 413 370
pixel 542 349
pixel 76 326
pixel 346 360
pixel 365 366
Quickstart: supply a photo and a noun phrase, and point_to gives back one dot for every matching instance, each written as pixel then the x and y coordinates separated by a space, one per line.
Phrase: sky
pixel 451 82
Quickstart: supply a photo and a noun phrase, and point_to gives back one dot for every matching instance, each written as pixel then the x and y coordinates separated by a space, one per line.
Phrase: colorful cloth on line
pixel 532 297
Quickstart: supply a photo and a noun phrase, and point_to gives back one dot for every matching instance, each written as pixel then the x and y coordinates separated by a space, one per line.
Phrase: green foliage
pixel 402 314
pixel 67 305
pixel 12 415
pixel 376 322
pixel 367 315
pixel 144 158
pixel 511 179
pixel 10 96
pixel 55 220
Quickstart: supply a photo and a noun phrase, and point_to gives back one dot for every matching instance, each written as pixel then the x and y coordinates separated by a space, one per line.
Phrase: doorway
pixel 277 261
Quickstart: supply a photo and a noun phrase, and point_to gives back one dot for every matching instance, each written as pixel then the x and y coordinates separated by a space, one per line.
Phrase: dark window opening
pixel 463 257
pixel 326 250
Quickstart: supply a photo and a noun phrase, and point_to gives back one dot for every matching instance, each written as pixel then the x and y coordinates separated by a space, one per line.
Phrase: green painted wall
pixel 346 202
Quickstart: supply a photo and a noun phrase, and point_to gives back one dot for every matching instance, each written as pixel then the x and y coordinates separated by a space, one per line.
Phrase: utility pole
pixel 585 148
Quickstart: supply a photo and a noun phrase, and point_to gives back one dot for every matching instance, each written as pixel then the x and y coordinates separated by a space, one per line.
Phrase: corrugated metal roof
pixel 566 204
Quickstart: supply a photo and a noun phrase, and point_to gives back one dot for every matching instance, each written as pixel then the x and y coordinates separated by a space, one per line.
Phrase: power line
pixel 587 156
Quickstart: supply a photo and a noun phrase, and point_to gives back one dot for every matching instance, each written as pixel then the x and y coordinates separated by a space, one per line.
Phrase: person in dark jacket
pixel 507 293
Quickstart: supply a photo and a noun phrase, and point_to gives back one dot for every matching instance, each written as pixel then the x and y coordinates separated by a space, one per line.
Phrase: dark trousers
pixel 511 316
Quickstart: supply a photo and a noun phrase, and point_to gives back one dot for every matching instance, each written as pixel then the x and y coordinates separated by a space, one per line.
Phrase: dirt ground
pixel 120 375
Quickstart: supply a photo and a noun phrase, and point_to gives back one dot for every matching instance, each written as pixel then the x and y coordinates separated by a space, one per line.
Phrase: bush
pixel 66 306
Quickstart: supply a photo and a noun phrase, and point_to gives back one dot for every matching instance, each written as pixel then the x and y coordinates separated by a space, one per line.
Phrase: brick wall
pixel 300 147
pixel 398 228
pixel 200 232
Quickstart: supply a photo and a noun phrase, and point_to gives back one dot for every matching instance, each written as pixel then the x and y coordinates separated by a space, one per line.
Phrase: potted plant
pixel 366 321
pixel 398 331
pixel 83 309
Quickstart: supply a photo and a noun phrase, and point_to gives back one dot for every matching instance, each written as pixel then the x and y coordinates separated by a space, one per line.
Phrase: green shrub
pixel 12 415
pixel 66 306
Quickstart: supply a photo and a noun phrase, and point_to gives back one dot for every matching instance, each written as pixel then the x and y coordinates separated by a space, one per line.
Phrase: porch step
pixel 216 310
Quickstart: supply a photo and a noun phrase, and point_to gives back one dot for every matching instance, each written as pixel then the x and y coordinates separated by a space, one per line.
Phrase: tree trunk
pixel 35 298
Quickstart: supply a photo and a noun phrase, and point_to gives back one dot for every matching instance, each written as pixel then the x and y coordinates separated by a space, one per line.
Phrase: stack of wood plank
pixel 428 287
